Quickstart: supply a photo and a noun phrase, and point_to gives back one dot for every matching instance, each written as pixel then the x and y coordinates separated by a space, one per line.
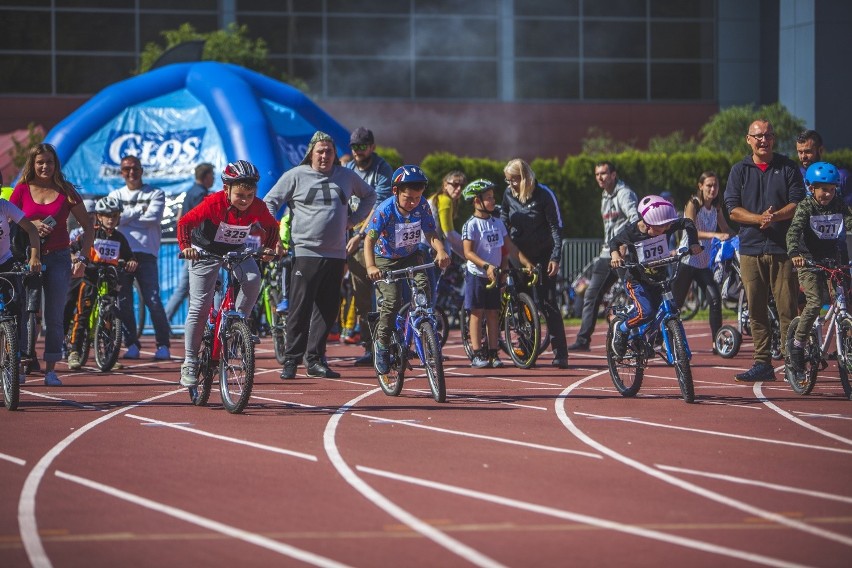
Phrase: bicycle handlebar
pixel 534 273
pixel 683 252
pixel 389 276
pixel 230 255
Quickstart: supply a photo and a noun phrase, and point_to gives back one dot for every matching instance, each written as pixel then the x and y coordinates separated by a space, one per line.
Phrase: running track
pixel 519 468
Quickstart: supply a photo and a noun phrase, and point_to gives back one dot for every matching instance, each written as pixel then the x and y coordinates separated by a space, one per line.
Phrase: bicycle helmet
pixel 238 171
pixel 656 211
pixel 108 206
pixel 409 174
pixel 89 204
pixel 476 188
pixel 822 172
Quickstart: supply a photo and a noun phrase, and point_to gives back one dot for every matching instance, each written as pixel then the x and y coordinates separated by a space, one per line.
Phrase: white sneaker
pixel 51 380
pixel 74 361
pixel 132 352
pixel 162 354
pixel 188 373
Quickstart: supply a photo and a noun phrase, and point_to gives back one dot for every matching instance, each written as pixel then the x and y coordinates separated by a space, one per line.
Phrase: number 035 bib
pixel 231 234
pixel 105 250
pixel 827 227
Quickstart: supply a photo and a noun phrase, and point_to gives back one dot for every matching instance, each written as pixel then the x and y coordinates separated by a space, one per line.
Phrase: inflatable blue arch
pixel 178 116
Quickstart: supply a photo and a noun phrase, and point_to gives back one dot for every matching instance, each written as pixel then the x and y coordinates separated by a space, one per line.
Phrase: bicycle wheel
pixel 522 330
pixel 681 360
pixel 443 325
pixel 87 345
pixel 727 341
pixel 391 382
pixel 236 366
pixel 433 361
pixel 9 363
pixel 692 303
pixel 279 335
pixel 107 340
pixel 204 377
pixel 464 327
pixel 804 382
pixel 844 355
pixel 544 335
pixel 627 373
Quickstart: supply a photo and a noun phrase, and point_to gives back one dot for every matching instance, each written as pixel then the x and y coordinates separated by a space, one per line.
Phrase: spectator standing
pixel 761 196
pixel 141 220
pixel 5 190
pixel 47 198
pixel 704 211
pixel 317 192
pixel 810 148
pixel 618 208
pixel 531 215
pixel 445 205
pixel 374 170
pixel 195 195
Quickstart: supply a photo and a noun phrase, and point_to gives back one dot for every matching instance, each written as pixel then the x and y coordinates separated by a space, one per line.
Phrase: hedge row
pixel 574 184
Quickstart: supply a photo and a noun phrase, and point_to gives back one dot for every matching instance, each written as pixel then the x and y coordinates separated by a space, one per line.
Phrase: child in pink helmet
pixel 642 242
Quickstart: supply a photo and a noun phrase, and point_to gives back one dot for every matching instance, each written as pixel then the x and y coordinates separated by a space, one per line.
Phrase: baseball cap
pixel 361 135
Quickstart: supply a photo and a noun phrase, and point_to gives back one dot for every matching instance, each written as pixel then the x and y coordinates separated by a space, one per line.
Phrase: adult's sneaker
pixel 365 360
pixel 132 352
pixel 51 380
pixel 162 353
pixel 321 370
pixel 74 362
pixel 579 346
pixel 760 371
pixel 289 371
pixel 189 373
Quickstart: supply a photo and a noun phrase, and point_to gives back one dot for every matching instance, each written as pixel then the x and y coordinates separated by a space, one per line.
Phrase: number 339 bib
pixel 407 234
pixel 231 234
pixel 652 249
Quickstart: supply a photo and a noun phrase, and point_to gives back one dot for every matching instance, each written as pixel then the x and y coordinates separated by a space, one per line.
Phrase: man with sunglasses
pixel 375 171
pixel 761 196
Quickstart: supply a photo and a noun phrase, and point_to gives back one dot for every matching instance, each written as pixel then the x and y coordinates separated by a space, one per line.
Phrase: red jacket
pixel 211 225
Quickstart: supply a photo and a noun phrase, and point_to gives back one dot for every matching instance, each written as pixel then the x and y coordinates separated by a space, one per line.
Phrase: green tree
pixel 231 45
pixel 598 141
pixel 672 143
pixel 35 135
pixel 726 130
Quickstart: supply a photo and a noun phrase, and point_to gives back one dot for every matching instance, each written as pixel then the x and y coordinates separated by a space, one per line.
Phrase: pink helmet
pixel 655 210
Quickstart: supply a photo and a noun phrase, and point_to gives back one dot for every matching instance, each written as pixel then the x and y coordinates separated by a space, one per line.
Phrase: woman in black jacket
pixel 531 214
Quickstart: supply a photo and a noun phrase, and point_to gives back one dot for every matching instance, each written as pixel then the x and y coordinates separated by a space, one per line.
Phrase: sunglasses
pixel 131 169
pixel 359 147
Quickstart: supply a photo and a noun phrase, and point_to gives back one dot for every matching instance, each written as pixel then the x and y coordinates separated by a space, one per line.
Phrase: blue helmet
pixel 409 174
pixel 822 172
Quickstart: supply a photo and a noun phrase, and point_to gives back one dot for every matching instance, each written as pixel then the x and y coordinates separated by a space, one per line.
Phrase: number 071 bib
pixel 827 227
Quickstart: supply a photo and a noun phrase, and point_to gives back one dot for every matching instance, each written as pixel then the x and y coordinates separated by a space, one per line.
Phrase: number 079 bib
pixel 652 249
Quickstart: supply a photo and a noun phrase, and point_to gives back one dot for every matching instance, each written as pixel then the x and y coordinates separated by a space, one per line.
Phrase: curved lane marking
pixel 456 547
pixel 584 519
pixel 692 488
pixel 758 393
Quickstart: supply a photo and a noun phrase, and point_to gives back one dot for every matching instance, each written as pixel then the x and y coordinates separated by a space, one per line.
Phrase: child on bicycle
pixel 220 224
pixel 817 232
pixel 486 246
pixel 109 246
pixel 391 243
pixel 645 241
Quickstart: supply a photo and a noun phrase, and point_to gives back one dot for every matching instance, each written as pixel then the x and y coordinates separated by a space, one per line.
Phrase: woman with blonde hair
pixel 531 214
pixel 444 203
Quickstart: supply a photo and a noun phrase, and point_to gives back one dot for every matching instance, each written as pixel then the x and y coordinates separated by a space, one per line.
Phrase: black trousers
pixel 314 301
pixel 603 277
pixel 704 277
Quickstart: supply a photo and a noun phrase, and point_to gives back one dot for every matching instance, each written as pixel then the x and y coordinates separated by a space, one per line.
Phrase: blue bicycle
pixel 666 329
pixel 416 325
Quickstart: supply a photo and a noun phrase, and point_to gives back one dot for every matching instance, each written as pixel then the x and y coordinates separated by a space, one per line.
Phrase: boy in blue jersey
pixel 391 243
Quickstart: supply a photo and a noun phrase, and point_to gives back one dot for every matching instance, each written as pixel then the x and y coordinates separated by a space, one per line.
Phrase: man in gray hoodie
pixel 317 194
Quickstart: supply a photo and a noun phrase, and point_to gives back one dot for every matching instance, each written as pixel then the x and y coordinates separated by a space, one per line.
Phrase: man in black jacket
pixel 761 196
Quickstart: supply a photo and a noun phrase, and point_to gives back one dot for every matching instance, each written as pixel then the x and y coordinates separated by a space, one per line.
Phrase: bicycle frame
pixel 226 311
pixel 407 326
pixel 836 312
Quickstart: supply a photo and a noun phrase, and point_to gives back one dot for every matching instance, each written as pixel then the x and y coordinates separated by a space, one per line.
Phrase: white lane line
pixel 583 519
pixel 255 445
pixel 714 433
pixel 454 546
pixel 762 484
pixel 13 459
pixel 209 524
pixel 758 393
pixel 26 503
pixel 478 436
pixel 821 415
pixel 677 482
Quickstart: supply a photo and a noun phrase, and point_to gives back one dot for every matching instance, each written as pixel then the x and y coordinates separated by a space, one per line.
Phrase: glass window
pixel 614 39
pixel 278 6
pixel 308 70
pixel 547 80
pixel 682 81
pixel 445 7
pixel 112 4
pixel 104 71
pixel 455 37
pixel 682 8
pixel 287 34
pixel 551 8
pixel 534 38
pixel 614 9
pixel 25 74
pixel 614 81
pixel 369 78
pixel 682 40
pixel 17 34
pixel 450 79
pixel 75 31
pixel 211 5
pixel 368 6
pixel 371 35
pixel 150 25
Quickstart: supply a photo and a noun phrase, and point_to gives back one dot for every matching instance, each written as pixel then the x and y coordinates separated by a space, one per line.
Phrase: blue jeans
pixel 148 275
pixel 180 292
pixel 55 280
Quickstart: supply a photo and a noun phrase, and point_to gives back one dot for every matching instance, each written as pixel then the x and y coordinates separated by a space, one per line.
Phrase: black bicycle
pixel 10 357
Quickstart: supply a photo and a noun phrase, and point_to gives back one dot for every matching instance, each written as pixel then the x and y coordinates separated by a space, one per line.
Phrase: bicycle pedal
pixel 255 339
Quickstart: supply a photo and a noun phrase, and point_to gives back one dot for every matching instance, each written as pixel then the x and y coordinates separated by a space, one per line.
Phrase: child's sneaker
pixel 480 361
pixel 495 361
pixel 188 373
pixel 51 380
pixel 619 341
pixel 74 362
pixel 382 362
pixel 797 358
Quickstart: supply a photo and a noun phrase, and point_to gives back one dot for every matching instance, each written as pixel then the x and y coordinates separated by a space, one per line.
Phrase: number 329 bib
pixel 231 234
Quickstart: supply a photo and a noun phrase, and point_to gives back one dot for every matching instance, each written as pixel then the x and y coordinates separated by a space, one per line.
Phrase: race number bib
pixel 492 239
pixel 253 242
pixel 106 250
pixel 231 234
pixel 407 235
pixel 655 248
pixel 827 227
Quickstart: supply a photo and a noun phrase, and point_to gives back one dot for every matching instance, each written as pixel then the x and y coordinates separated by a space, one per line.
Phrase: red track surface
pixel 519 468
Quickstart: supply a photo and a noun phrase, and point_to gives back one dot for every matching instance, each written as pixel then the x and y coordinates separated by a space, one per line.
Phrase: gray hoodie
pixel 320 207
pixel 617 209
